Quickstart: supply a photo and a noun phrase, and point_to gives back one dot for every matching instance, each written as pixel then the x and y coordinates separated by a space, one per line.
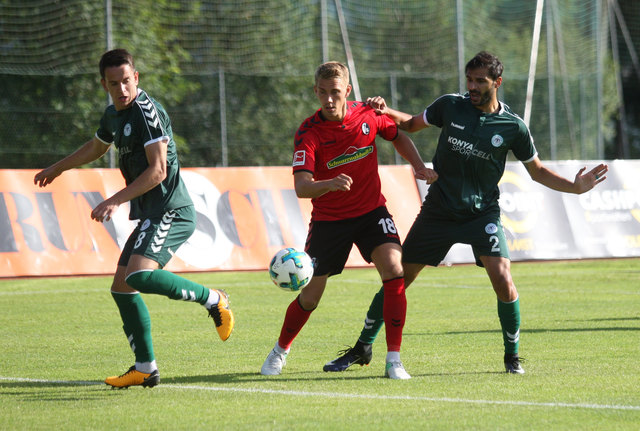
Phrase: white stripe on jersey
pixel 151 115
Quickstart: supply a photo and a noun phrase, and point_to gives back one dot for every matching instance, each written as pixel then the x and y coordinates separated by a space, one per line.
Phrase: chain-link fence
pixel 236 76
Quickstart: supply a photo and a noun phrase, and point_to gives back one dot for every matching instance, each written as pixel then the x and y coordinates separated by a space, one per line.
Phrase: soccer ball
pixel 291 269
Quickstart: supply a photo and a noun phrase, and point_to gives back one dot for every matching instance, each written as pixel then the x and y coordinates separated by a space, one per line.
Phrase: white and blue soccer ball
pixel 291 269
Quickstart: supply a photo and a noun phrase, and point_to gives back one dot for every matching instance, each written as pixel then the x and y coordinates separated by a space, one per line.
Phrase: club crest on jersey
pixel 352 154
pixel 491 228
pixel 127 129
pixel 496 140
pixel 365 128
pixel 145 225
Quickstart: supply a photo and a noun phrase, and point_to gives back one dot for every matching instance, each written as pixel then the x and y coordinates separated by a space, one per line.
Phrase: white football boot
pixel 395 370
pixel 276 359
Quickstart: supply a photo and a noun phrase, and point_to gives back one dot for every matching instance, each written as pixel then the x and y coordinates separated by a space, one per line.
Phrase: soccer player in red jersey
pixel 477 133
pixel 335 165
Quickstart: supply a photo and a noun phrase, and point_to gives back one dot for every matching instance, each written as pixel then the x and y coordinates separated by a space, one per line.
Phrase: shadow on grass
pixel 257 377
pixel 48 383
pixel 55 391
pixel 529 330
pixel 310 376
pixel 68 390
pixel 611 319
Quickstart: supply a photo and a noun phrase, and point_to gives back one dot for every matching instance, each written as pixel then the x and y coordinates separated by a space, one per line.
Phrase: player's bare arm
pixel 307 187
pixel 405 121
pixel 92 150
pixel 583 182
pixel 407 149
pixel 150 178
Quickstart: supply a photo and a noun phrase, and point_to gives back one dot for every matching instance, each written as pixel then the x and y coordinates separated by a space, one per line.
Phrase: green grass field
pixel 580 336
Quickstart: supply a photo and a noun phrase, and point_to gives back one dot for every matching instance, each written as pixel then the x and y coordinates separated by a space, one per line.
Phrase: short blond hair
pixel 332 70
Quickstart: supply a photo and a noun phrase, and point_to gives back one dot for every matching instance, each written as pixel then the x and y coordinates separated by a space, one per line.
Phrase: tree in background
pixel 52 105
pixel 253 62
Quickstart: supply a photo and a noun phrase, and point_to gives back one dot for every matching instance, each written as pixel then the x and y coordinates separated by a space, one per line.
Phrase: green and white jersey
pixel 472 152
pixel 144 123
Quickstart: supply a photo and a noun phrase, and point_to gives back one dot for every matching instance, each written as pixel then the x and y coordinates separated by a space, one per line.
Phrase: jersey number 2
pixel 496 243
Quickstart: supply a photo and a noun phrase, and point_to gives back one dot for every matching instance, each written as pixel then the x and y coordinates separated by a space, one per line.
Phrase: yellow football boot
pixel 134 377
pixel 222 315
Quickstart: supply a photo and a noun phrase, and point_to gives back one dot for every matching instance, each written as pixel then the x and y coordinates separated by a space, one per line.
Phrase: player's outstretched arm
pixel 407 149
pixel 90 151
pixel 307 187
pixel 404 121
pixel 583 182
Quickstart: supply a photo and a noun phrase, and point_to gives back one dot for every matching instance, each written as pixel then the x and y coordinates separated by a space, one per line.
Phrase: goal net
pixel 236 76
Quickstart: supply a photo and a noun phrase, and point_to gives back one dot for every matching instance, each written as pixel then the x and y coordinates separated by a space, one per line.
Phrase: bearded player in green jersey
pixel 462 206
pixel 141 131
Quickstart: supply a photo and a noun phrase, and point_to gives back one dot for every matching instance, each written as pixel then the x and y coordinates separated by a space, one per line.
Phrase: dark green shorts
pixel 158 238
pixel 433 234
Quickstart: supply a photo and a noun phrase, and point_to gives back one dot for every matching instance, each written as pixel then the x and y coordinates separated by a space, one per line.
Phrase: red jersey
pixel 329 148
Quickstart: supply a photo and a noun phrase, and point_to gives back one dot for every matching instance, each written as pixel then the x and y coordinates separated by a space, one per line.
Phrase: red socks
pixel 394 312
pixel 294 320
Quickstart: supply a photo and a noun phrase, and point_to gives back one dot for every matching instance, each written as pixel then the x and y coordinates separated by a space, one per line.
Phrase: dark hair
pixel 486 60
pixel 115 57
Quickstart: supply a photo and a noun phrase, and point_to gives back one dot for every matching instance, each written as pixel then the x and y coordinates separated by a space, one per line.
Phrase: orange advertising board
pixel 245 215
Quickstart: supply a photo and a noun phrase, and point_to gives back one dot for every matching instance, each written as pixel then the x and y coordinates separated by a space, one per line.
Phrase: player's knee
pixel 139 280
pixel 505 290
pixel 308 302
pixel 392 270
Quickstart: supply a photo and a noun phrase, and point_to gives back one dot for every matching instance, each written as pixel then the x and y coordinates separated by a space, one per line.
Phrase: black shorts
pixel 433 233
pixel 329 242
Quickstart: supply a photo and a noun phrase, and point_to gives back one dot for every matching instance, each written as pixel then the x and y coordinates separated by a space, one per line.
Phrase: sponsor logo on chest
pixel 466 149
pixel 351 155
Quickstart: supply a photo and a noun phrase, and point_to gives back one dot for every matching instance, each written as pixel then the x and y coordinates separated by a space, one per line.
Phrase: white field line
pixel 344 395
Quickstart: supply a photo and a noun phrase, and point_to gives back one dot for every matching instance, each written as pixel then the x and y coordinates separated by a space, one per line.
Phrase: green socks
pixel 509 314
pixel 374 320
pixel 161 282
pixel 135 315
pixel 136 324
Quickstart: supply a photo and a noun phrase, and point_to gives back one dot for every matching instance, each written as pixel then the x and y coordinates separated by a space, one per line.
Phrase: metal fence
pixel 236 76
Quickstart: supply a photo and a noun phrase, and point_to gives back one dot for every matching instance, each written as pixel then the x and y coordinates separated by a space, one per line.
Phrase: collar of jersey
pixel 329 122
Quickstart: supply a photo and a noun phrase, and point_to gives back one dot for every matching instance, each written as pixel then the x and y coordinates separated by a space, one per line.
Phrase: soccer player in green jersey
pixel 141 131
pixel 462 206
